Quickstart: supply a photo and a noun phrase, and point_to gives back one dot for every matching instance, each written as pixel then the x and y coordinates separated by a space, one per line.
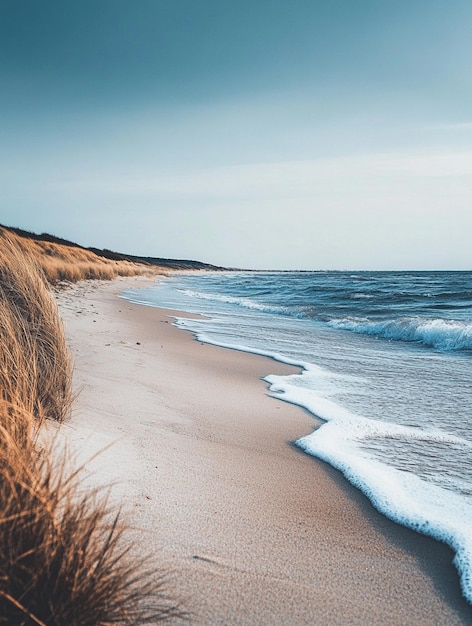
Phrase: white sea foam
pixel 399 495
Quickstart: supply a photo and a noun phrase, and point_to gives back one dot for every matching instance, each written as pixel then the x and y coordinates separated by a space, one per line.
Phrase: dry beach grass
pixel 71 263
pixel 64 558
pixel 35 365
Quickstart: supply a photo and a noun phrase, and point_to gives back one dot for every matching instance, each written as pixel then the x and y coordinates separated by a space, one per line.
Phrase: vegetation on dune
pixel 64 559
pixel 63 260
pixel 62 556
pixel 35 368
pixel 68 262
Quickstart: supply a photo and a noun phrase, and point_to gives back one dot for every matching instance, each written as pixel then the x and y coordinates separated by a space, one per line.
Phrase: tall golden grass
pixel 60 262
pixel 35 368
pixel 64 559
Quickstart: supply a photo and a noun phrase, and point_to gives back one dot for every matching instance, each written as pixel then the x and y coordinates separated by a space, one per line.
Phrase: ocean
pixel 386 363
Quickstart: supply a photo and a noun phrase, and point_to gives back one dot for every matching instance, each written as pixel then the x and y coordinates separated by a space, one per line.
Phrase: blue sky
pixel 261 134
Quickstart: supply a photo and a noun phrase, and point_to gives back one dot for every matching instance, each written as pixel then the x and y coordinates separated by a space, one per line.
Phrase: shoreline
pixel 255 530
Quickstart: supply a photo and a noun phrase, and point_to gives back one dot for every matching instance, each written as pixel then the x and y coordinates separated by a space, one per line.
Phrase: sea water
pixel 386 362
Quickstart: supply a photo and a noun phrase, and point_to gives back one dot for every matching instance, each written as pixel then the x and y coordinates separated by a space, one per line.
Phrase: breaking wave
pixel 442 334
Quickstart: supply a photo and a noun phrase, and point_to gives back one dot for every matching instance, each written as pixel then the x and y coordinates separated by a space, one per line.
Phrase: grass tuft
pixel 64 559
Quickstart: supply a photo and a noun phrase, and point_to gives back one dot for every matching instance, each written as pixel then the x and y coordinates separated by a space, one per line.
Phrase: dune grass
pixel 64 557
pixel 63 560
pixel 61 262
pixel 35 367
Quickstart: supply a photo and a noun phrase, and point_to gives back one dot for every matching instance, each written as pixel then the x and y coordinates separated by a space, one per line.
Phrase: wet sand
pixel 202 459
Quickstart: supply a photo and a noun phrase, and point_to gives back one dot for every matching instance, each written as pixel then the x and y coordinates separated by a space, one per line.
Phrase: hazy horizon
pixel 261 135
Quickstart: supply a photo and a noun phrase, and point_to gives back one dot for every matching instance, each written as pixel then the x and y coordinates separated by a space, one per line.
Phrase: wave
pixel 442 334
pixel 246 303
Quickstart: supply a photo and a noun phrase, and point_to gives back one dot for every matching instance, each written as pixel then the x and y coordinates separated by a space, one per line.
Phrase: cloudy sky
pixel 291 134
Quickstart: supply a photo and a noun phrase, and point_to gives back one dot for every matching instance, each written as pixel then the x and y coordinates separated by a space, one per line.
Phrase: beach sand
pixel 202 460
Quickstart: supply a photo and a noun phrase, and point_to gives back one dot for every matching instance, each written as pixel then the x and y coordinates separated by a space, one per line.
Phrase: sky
pixel 262 134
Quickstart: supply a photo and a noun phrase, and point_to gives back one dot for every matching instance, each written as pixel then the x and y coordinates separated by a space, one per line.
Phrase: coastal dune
pixel 251 530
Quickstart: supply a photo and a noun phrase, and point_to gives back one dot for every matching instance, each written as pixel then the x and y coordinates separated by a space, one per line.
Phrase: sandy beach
pixel 202 460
